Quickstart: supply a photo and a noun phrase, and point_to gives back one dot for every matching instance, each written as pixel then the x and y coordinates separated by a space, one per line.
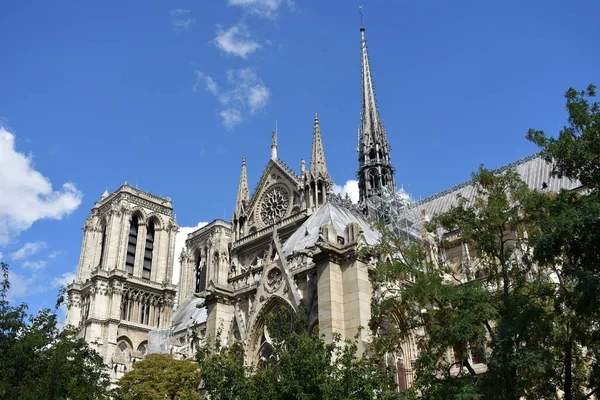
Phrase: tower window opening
pixel 102 245
pixel 131 245
pixel 373 181
pixel 373 155
pixel 200 274
pixel 149 249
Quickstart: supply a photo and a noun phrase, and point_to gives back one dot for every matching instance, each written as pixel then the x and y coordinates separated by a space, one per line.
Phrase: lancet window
pixel 395 364
pixel 131 244
pixel 200 271
pixel 148 251
pixel 102 244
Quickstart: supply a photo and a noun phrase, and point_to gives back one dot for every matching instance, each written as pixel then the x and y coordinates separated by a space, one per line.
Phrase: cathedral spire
pixel 375 170
pixel 318 165
pixel 243 194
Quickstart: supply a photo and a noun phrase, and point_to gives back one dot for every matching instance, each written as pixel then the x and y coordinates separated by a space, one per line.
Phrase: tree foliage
pixel 526 288
pixel 159 376
pixel 39 361
pixel 302 366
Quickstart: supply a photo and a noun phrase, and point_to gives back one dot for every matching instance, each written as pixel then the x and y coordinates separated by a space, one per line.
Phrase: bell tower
pixel 124 284
pixel 375 170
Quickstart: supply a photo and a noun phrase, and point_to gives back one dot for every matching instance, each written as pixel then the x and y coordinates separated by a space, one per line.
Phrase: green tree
pixel 302 366
pixel 569 240
pixel 530 292
pixel 459 309
pixel 159 376
pixel 39 361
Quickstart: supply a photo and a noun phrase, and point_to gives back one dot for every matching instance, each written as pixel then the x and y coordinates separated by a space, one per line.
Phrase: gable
pixel 277 196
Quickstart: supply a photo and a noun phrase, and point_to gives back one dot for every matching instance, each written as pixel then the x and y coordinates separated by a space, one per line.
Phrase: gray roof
pixel 307 235
pixel 188 314
pixel 534 170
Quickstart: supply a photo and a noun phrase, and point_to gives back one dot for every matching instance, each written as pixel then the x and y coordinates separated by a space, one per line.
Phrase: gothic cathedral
pixel 291 244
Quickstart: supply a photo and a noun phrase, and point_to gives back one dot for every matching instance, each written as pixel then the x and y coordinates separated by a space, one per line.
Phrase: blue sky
pixel 171 94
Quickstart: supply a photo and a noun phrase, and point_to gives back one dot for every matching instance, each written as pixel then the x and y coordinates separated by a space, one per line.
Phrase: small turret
pixel 241 202
pixel 317 182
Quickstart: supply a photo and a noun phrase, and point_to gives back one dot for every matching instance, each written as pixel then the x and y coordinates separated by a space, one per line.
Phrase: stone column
pixel 158 268
pixel 330 296
pixel 112 242
pixel 169 252
pixel 220 315
pixel 73 309
pixel 139 250
pixel 124 239
pixel 357 301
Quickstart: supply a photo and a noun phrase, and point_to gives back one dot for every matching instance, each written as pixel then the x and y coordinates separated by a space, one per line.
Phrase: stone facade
pixel 124 284
pixel 290 244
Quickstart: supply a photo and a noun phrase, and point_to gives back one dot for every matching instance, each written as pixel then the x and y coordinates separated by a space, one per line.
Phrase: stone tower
pixel 124 284
pixel 375 169
pixel 316 182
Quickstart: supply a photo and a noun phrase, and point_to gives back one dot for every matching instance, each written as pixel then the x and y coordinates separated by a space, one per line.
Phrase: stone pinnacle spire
pixel 243 194
pixel 316 181
pixel 274 145
pixel 318 165
pixel 375 170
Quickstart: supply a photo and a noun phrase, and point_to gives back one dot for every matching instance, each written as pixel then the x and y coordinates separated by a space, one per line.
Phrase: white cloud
pixel 236 41
pixel 350 188
pixel 63 280
pixel 180 238
pixel 1 255
pixel 181 20
pixel 231 117
pixel 246 94
pixel 21 286
pixel 262 8
pixel 27 195
pixel 34 265
pixel 28 249
pixel 55 253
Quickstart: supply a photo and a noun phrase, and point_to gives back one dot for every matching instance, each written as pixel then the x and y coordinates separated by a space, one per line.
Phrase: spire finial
pixel 243 194
pixel 362 28
pixel 274 145
pixel 318 165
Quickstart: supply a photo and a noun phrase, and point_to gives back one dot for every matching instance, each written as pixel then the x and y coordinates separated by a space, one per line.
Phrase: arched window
pixel 200 271
pixel 396 367
pixel 102 244
pixel 143 347
pixel 148 250
pixel 384 178
pixel 373 181
pixel 131 245
pixel 373 154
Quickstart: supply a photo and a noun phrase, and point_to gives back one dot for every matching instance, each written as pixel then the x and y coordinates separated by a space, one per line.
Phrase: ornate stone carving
pixel 274 205
pixel 274 279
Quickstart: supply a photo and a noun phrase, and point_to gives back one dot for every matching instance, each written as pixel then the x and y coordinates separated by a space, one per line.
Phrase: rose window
pixel 274 205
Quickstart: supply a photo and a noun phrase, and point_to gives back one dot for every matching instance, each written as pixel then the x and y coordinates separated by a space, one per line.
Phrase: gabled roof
pixel 307 234
pixel 188 314
pixel 534 170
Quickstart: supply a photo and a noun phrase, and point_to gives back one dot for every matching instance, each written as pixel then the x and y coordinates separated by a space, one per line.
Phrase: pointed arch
pixel 259 339
pixel 103 229
pixel 149 248
pixel 132 238
pixel 199 272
